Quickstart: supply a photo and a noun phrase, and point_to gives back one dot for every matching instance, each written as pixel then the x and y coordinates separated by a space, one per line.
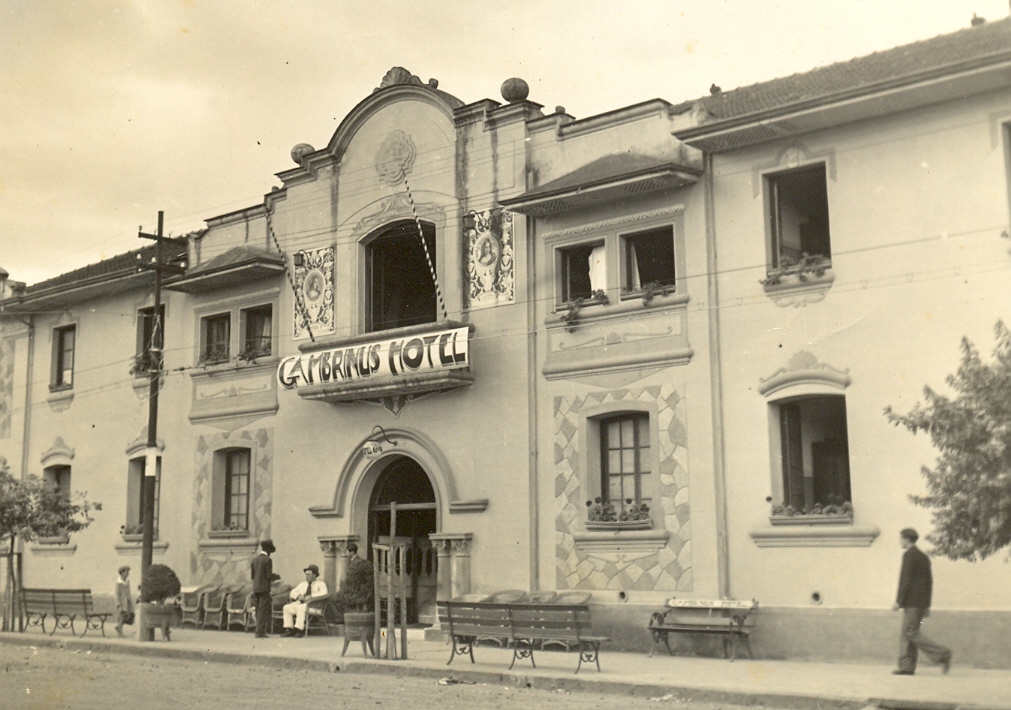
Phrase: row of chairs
pixel 224 606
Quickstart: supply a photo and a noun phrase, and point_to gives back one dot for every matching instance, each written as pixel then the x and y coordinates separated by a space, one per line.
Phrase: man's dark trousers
pixel 264 613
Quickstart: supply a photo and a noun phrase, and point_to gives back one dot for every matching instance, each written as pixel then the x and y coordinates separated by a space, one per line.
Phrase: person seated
pixel 295 610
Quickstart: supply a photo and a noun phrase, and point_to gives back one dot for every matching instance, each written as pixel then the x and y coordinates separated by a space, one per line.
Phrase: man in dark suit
pixel 263 575
pixel 916 585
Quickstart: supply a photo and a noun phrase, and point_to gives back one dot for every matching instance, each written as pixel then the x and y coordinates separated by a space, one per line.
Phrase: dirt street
pixel 46 679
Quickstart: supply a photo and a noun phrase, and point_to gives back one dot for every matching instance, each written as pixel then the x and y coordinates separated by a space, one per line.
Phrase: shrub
pixel 358 590
pixel 159 584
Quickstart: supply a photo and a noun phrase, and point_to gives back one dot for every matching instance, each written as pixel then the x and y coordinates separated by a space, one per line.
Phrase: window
pixel 624 462
pixel 400 288
pixel 583 270
pixel 150 339
pixel 798 215
pixel 134 497
pixel 215 338
pixel 58 477
pixel 815 452
pixel 235 496
pixel 649 259
pixel 64 341
pixel 256 331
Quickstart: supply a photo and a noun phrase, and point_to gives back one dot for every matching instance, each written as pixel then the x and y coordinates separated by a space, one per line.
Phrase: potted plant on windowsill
pixel 571 315
pixel 602 515
pixel 356 603
pixel 838 512
pixel 160 584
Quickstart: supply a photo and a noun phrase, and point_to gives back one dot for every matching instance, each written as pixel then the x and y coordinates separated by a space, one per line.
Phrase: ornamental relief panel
pixel 314 287
pixel 490 252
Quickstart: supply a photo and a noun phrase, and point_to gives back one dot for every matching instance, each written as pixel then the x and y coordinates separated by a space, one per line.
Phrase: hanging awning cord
pixel 428 257
pixel 299 303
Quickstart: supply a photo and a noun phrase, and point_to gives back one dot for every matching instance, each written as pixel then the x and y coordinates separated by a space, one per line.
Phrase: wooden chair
pixel 278 598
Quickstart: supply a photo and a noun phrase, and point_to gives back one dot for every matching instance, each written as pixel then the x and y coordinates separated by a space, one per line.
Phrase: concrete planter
pixel 155 616
pixel 843 519
pixel 359 626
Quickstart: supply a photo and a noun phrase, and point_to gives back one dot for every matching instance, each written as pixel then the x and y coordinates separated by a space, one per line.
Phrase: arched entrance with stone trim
pixel 353 498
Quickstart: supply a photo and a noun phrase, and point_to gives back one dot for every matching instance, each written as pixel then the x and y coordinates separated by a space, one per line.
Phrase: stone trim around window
pixel 815 536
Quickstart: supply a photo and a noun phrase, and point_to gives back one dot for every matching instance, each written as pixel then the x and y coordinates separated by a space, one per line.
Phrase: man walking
pixel 915 589
pixel 263 574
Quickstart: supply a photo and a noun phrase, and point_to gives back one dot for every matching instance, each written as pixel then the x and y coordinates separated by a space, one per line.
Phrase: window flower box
pixel 833 519
pixel 615 525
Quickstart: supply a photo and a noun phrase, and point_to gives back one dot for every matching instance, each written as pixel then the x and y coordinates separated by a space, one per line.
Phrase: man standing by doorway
pixel 262 569
pixel 916 585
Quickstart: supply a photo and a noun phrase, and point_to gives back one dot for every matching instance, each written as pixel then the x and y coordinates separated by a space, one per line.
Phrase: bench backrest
pixel 539 621
pixel 715 604
pixel 57 601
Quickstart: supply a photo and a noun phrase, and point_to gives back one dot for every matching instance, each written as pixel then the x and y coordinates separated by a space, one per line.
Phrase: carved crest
pixel 398 75
pixel 395 157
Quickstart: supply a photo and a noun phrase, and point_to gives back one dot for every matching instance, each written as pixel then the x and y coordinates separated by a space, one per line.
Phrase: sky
pixel 111 111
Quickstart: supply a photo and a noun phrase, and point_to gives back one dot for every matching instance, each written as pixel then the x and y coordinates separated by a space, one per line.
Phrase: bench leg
pixel 589 651
pixel 524 649
pixel 465 645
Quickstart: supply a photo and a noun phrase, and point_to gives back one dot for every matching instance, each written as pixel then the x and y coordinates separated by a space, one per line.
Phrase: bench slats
pixel 522 626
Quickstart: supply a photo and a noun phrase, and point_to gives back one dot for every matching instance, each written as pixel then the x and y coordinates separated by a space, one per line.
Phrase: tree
pixel 969 488
pixel 31 508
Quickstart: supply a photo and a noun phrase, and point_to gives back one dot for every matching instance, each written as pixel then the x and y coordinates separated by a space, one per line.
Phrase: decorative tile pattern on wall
pixel 669 567
pixel 224 566
pixel 6 386
pixel 490 269
pixel 314 285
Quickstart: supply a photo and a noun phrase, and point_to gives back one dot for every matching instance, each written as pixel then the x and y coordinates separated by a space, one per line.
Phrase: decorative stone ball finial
pixel 514 90
pixel 301 150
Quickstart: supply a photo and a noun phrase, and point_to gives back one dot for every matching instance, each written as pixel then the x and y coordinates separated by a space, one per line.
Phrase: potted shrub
pixel 159 584
pixel 356 602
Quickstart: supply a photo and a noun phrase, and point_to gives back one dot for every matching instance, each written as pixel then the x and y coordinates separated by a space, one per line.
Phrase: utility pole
pixel 155 364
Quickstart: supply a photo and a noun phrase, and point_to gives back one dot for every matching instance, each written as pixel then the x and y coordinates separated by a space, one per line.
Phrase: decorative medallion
pixel 489 239
pixel 314 309
pixel 395 157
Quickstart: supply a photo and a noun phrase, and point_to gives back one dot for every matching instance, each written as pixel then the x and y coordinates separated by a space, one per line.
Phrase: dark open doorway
pixel 405 483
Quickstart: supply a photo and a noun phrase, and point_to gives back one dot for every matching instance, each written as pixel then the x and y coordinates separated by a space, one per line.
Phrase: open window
pixel 64 347
pixel 400 288
pixel 582 271
pixel 59 478
pixel 798 216
pixel 215 338
pixel 649 259
pixel 257 333
pixel 150 339
pixel 135 482
pixel 815 453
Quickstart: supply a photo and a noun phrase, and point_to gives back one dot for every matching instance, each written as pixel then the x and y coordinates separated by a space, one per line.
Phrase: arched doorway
pixel 403 481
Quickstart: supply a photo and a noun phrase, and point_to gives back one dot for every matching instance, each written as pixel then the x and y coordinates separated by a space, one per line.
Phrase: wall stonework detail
pixel 669 568
pixel 225 566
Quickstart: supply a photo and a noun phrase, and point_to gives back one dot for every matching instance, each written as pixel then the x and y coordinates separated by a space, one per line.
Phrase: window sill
pixel 136 537
pixel 597 311
pixel 776 520
pixel 60 398
pixel 227 534
pixel 617 525
pixel 815 535
pixel 230 545
pixel 800 289
pixel 129 545
pixel 234 365
pixel 53 546
pixel 632 544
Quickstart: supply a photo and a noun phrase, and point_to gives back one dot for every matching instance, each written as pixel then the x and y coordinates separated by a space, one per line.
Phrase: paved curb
pixel 572 684
pixel 466 675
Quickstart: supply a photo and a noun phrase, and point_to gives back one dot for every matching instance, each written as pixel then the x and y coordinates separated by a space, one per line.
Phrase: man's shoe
pixel 946 664
pixel 288 632
pixel 902 672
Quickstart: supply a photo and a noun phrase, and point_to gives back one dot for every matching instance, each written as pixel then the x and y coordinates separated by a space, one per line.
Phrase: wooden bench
pixel 522 627
pixel 64 606
pixel 727 617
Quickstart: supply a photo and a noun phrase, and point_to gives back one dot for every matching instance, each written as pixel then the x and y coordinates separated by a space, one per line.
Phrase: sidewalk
pixel 782 684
